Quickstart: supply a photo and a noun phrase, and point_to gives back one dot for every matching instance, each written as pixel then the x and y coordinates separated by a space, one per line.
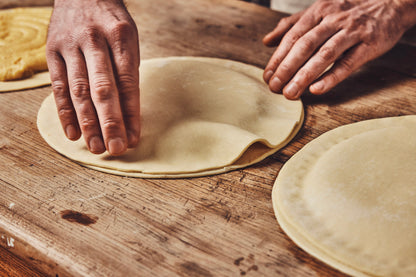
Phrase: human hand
pixel 93 59
pixel 345 33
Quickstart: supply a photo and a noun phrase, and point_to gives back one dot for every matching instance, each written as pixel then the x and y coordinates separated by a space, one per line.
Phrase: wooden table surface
pixel 61 219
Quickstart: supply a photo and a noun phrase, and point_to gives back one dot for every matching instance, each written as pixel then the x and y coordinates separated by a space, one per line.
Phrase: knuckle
pixel 123 29
pixel 58 44
pixel 120 35
pixel 103 91
pixel 291 39
pixel 112 124
pixel 334 20
pixel 274 63
pixel 53 40
pixel 92 36
pixel 51 46
pixel 327 53
pixel 80 88
pixel 59 88
pixel 305 76
pixel 307 45
pixel 128 78
pixel 87 123
pixel 128 83
pixel 329 19
pixel 66 113
pixel 284 70
pixel 324 29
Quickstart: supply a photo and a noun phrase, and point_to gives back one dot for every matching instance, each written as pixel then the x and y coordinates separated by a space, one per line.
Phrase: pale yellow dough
pixel 200 116
pixel 23 34
pixel 37 80
pixel 349 197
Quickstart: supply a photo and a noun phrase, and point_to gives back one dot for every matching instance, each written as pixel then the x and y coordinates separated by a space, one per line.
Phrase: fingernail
pixel 275 84
pixel 291 90
pixel 96 145
pixel 71 132
pixel 116 146
pixel 268 75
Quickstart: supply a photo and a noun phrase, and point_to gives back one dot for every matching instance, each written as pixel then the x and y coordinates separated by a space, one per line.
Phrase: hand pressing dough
pixel 23 34
pixel 199 116
pixel 349 197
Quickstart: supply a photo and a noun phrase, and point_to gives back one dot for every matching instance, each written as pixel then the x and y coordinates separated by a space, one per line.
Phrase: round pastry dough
pixel 23 34
pixel 199 116
pixel 349 197
pixel 36 80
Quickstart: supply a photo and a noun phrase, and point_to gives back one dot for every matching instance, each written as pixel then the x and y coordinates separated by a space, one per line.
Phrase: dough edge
pixel 294 231
pixel 37 80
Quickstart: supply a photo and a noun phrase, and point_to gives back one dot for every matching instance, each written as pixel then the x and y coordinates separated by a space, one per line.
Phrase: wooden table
pixel 59 218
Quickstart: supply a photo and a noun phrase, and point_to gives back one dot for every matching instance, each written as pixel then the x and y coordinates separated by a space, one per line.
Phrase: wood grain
pixel 220 225
pixel 11 265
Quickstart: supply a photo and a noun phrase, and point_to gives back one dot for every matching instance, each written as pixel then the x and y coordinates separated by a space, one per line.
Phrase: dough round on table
pixel 349 197
pixel 23 34
pixel 34 81
pixel 199 116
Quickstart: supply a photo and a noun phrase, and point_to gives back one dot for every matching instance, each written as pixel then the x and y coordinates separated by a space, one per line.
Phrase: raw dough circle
pixel 36 80
pixel 200 116
pixel 349 197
